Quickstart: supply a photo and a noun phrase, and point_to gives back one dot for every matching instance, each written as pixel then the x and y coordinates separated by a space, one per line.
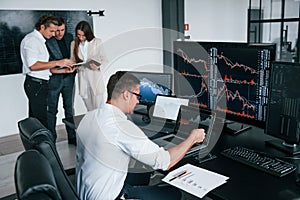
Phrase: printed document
pixel 195 180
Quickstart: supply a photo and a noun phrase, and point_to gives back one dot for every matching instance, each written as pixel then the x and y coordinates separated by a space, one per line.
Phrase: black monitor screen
pixel 283 119
pixel 238 73
pixel 151 84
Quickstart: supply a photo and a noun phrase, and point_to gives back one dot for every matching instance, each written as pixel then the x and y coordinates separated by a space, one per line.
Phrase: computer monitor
pixel 151 84
pixel 167 107
pixel 283 121
pixel 231 78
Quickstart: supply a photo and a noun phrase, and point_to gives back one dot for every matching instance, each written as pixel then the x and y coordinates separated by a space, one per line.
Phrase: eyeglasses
pixel 138 96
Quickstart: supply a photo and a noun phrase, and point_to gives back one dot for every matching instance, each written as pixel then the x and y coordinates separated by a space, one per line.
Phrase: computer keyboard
pixel 259 160
pixel 162 128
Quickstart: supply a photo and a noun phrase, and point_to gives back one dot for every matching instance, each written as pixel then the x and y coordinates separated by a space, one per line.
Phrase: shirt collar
pixel 116 111
pixel 39 35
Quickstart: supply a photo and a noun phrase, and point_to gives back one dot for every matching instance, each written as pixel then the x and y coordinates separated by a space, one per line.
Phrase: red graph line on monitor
pixel 230 96
pixel 231 80
pixel 184 73
pixel 204 89
pixel 242 114
pixel 227 61
pixel 198 104
pixel 232 65
pixel 236 95
pixel 224 79
pixel 189 60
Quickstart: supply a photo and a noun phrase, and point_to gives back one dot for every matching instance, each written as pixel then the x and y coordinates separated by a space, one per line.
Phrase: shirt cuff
pixel 163 159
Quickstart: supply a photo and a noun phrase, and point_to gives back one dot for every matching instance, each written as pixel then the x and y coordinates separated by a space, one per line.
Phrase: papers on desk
pixel 195 180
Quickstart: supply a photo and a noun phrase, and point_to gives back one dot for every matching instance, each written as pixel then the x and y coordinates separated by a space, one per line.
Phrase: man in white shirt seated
pixel 106 140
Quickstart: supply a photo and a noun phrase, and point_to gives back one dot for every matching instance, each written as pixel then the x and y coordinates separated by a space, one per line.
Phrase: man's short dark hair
pixel 120 82
pixel 46 20
pixel 60 20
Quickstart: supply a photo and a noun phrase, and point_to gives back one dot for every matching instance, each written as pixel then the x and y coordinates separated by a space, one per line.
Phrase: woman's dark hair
pixel 46 20
pixel 120 82
pixel 85 27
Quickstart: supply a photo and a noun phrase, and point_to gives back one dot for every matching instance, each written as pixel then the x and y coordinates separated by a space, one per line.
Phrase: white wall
pixel 217 20
pixel 120 17
pixel 129 42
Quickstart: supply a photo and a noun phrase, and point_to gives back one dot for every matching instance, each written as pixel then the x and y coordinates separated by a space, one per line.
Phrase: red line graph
pixel 202 105
pixel 204 89
pixel 230 96
pixel 227 61
pixel 184 73
pixel 234 65
pixel 189 60
pixel 231 80
pixel 242 114
pixel 240 102
pixel 236 95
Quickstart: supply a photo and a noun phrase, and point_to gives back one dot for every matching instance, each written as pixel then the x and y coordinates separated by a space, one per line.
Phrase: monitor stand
pixel 205 158
pixel 291 149
pixel 143 110
pixel 236 130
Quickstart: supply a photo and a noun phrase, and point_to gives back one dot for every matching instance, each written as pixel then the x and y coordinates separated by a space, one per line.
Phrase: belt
pixel 38 80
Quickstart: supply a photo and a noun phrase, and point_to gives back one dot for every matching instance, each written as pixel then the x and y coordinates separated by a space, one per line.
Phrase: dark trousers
pixel 159 191
pixel 36 91
pixel 136 187
pixel 61 84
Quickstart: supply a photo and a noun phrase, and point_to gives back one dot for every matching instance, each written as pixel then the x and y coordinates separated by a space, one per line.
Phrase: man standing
pixel 107 140
pixel 62 79
pixel 36 66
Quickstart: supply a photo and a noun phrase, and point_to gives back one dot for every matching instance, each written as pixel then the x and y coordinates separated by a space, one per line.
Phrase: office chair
pixel 34 178
pixel 35 136
pixel 29 128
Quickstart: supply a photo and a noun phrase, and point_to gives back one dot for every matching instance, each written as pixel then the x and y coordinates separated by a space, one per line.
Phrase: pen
pixel 177 176
pixel 186 174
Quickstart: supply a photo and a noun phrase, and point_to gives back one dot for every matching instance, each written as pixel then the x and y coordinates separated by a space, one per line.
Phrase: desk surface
pixel 245 182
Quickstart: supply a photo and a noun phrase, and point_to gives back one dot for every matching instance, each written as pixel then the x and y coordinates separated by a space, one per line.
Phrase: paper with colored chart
pixel 195 180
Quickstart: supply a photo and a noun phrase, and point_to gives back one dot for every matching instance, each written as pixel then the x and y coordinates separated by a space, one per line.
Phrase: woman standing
pixel 88 49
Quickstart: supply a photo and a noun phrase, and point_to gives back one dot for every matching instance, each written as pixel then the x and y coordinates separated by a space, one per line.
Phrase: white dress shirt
pixel 33 49
pixel 83 46
pixel 106 140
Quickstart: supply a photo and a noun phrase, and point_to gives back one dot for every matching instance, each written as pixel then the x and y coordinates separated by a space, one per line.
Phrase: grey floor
pixel 11 147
